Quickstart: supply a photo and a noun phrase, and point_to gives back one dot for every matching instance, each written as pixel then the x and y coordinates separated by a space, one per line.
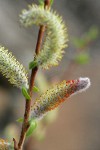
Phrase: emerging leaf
pixel 32 64
pixel 41 2
pixel 25 93
pixel 20 120
pixel 35 89
pixel 31 128
pixel 51 2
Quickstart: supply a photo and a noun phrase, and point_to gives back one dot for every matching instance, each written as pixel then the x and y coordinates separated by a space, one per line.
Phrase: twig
pixel 25 124
pixel 15 144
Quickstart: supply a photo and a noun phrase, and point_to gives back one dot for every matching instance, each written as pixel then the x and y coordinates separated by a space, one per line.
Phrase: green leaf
pixel 35 89
pixel 89 36
pixel 25 93
pixel 32 64
pixel 82 58
pixel 20 120
pixel 51 2
pixel 32 127
pixel 41 2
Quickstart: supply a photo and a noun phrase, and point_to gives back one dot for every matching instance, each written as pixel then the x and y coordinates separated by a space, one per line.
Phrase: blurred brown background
pixel 77 126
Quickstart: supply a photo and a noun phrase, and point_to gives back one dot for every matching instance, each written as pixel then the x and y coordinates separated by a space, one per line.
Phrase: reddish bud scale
pixel 70 89
pixel 56 95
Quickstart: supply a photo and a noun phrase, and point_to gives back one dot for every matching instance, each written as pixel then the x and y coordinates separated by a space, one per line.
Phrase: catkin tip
pixel 83 84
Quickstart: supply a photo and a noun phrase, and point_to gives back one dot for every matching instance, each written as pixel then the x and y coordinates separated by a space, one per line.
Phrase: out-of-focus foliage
pixel 87 38
pixel 35 89
pixel 82 58
pixel 81 44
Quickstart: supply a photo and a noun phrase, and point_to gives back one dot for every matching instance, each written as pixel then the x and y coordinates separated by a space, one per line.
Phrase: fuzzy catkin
pixel 56 95
pixel 4 145
pixel 56 34
pixel 12 69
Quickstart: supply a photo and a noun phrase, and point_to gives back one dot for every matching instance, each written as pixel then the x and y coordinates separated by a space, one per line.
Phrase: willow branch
pixel 25 124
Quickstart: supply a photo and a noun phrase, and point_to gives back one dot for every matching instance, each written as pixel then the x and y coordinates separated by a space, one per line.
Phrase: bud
pixel 56 95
